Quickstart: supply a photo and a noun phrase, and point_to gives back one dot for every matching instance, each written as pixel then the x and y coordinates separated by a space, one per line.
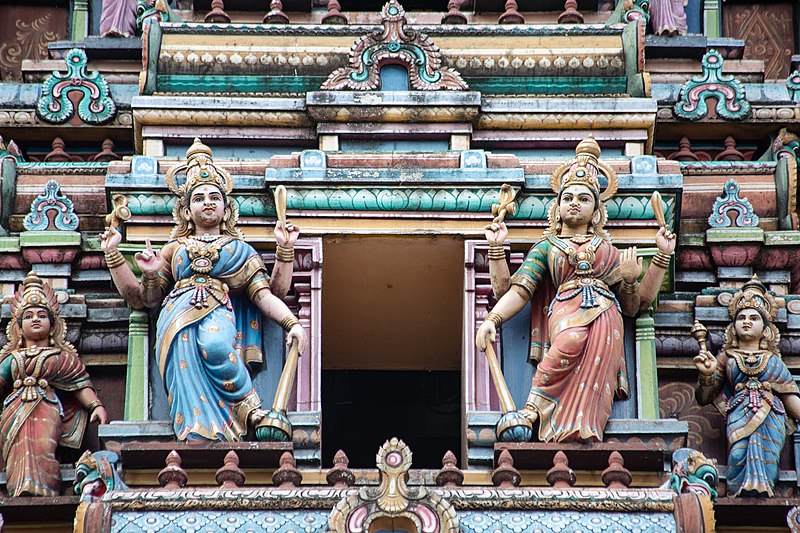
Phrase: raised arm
pixel 149 292
pixel 281 279
pixel 654 277
pixel 498 267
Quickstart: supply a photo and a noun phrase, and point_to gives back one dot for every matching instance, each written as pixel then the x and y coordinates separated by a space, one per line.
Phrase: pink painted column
pixel 307 284
pixel 479 390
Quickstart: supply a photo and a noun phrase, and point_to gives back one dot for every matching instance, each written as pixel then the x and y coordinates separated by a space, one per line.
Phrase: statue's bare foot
pixel 530 413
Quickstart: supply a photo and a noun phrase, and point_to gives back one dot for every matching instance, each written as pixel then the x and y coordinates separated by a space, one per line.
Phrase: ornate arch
pixel 395 45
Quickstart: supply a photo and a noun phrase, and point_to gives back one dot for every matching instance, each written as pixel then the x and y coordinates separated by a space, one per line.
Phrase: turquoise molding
pixel 51 200
pixel 531 206
pixel 550 85
pixel 95 106
pixel 729 92
pixel 155 204
pixel 730 200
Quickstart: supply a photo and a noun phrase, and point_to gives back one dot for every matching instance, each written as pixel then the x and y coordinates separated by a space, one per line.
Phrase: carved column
pixel 646 374
pixel 136 397
pixel 80 20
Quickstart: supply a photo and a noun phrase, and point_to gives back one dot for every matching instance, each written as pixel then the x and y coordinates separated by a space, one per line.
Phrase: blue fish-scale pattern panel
pixel 220 521
pixel 565 522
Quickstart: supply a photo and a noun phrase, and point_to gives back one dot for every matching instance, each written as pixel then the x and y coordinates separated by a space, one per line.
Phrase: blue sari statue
pixel 752 387
pixel 212 288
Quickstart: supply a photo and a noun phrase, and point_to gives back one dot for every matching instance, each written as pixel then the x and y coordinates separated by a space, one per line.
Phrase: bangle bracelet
pixel 661 260
pixel 496 251
pixel 94 405
pixel 114 259
pixel 706 381
pixel 495 318
pixel 150 283
pixel 630 288
pixel 284 254
pixel 289 322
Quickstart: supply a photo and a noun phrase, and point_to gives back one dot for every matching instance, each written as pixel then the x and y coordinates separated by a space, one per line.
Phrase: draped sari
pixel 38 415
pixel 757 424
pixel 207 332
pixel 576 335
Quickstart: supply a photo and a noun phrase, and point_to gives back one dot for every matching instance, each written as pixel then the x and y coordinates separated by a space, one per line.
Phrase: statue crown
pixel 754 295
pixel 585 169
pixel 34 293
pixel 200 170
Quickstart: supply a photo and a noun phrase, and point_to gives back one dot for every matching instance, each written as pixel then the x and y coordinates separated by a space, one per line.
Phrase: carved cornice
pixel 545 120
pixel 28 117
pixel 694 168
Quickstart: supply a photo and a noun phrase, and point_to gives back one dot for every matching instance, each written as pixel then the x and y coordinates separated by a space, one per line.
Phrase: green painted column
pixel 136 380
pixel 712 18
pixel 647 378
pixel 80 20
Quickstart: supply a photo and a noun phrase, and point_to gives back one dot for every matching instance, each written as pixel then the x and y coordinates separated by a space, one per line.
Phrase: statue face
pixel 577 205
pixel 206 207
pixel 749 325
pixel 35 323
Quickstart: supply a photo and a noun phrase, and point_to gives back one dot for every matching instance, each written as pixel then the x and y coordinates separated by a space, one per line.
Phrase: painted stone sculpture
pixel 752 387
pixel 668 17
pixel 580 285
pixel 693 472
pixel 96 474
pixel 48 395
pixel 212 288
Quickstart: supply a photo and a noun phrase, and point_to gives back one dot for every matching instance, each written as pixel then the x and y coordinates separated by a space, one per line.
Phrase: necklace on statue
pixel 206 237
pixel 580 238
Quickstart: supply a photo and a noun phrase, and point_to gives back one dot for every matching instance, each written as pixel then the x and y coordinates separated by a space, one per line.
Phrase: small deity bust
pixel 48 395
pixel 753 389
pixel 212 289
pixel 580 285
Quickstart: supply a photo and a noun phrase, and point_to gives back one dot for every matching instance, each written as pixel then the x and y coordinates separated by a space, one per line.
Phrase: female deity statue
pixel 580 285
pixel 48 395
pixel 753 389
pixel 213 288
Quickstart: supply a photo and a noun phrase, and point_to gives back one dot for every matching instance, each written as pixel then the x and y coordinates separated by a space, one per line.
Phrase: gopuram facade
pixel 469 266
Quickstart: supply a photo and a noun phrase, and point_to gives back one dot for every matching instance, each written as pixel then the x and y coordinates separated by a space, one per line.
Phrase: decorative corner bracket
pixel 793 85
pixel 636 10
pixel 730 200
pixel 10 151
pixel 393 500
pixel 732 102
pixel 64 217
pixel 95 107
pixel 395 45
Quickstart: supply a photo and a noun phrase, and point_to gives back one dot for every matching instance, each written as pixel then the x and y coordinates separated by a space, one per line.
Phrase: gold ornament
pixel 200 170
pixel 754 295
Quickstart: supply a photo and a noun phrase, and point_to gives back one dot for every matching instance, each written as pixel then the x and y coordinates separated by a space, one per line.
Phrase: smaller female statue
pixel 752 387
pixel 580 285
pixel 50 396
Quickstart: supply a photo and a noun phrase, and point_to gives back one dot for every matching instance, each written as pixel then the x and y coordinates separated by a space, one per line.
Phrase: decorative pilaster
pixel 80 20
pixel 647 375
pixel 136 397
pixel 712 18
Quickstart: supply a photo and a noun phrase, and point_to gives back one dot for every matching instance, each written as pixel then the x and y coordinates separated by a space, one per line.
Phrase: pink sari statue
pixel 579 286
pixel 582 368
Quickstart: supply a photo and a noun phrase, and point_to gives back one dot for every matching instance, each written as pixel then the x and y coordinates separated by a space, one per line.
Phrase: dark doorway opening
pixel 365 408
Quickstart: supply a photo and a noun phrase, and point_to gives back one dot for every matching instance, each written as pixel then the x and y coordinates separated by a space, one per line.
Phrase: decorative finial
pixel 173 476
pixel 230 476
pixel 449 476
pixel 340 476
pixel 616 476
pixel 505 476
pixel 561 476
pixel 287 475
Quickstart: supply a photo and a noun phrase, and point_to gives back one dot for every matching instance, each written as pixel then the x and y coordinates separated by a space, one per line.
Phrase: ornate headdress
pixel 200 170
pixel 754 295
pixel 585 169
pixel 35 293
